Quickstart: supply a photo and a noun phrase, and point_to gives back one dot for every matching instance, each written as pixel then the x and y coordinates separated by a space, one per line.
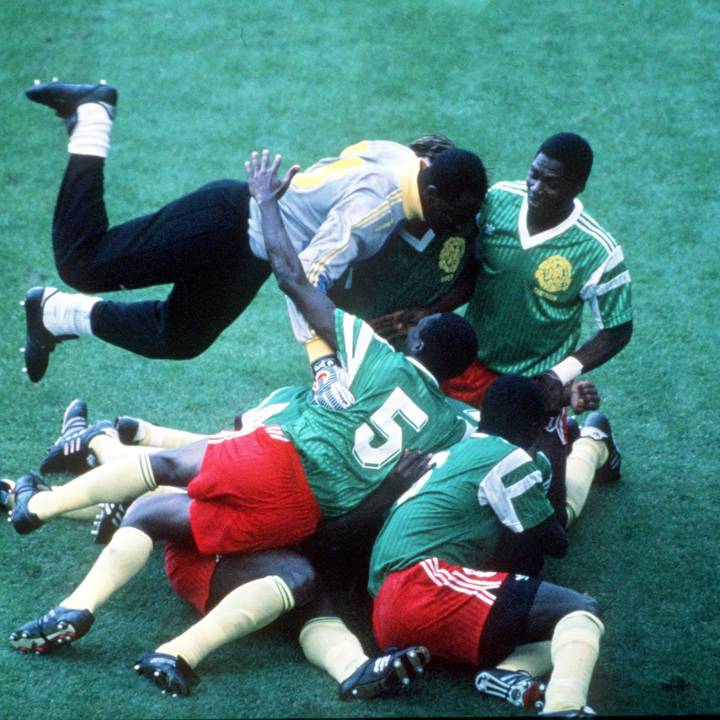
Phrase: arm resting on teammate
pixel 398 323
pixel 354 532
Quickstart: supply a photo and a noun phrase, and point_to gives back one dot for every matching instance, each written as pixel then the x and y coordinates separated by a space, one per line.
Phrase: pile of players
pixel 382 459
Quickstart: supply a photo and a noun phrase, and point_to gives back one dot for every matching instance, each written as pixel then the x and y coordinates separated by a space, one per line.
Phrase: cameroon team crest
pixel 451 254
pixel 554 274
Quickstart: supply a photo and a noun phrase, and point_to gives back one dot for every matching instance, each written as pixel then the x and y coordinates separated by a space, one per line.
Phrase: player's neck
pixel 416 227
pixel 540 222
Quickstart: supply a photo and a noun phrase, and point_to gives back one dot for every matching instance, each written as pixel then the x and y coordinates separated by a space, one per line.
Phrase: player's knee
pixel 588 604
pixel 140 515
pixel 302 579
pixel 171 467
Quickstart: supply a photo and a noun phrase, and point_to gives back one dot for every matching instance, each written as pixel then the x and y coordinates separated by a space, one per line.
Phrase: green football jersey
pixel 457 509
pixel 531 289
pixel 282 407
pixel 398 404
pixel 405 272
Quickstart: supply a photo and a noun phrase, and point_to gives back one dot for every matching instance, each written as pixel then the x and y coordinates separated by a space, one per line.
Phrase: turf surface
pixel 203 83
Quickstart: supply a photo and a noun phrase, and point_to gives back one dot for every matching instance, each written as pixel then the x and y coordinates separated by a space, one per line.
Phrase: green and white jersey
pixel 531 289
pixel 282 407
pixel 341 210
pixel 405 272
pixel 398 404
pixel 457 509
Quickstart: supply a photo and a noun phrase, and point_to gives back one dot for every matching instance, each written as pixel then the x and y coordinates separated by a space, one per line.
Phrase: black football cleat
pixel 7 487
pixel 386 674
pixel 71 451
pixel 65 98
pixel 520 689
pixel 39 341
pixel 170 673
pixel 597 427
pixel 107 521
pixel 61 626
pixel 22 519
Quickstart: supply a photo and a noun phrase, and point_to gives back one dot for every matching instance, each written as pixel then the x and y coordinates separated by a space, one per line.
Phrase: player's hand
pixel 263 181
pixel 553 392
pixel 328 389
pixel 398 323
pixel 583 396
pixel 409 469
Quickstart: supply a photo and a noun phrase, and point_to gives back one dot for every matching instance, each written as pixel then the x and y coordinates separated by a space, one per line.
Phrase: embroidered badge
pixel 451 254
pixel 554 274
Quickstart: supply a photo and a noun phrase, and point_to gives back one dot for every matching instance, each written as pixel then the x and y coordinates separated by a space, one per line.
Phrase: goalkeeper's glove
pixel 328 389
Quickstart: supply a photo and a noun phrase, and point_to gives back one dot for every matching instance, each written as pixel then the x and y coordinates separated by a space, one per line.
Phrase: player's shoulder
pixel 596 233
pixel 378 150
pixel 516 188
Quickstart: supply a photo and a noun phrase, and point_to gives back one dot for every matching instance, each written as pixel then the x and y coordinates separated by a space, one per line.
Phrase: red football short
pixel 471 385
pixel 251 494
pixel 190 573
pixel 441 606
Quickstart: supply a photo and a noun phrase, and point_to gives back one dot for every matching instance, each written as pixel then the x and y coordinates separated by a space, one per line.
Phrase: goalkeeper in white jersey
pixel 208 244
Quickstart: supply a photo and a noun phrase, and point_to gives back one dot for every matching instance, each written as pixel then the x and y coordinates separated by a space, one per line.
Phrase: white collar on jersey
pixel 418 244
pixel 530 241
pixel 423 370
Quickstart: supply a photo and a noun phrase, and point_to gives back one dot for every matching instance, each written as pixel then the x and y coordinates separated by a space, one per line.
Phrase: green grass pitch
pixel 201 85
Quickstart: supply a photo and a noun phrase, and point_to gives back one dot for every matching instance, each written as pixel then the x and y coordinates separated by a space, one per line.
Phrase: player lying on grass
pixel 205 580
pixel 270 487
pixel 429 570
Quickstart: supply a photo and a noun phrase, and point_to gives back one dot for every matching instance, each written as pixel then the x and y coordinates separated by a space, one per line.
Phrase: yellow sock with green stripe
pixel 575 648
pixel 121 560
pixel 532 658
pixel 149 435
pixel 108 448
pixel 246 609
pixel 125 479
pixel 328 644
pixel 586 457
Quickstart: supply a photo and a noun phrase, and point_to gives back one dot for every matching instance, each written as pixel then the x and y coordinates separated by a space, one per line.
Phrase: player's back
pixel 346 454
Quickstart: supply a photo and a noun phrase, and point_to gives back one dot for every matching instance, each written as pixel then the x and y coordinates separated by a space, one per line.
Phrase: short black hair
pixel 449 345
pixel 431 145
pixel 455 172
pixel 573 151
pixel 512 406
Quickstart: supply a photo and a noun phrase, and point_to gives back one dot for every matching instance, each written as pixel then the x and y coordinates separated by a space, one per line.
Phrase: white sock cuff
pixel 91 135
pixel 68 313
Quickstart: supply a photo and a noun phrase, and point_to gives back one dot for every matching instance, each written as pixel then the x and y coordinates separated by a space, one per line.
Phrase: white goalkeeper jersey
pixel 342 209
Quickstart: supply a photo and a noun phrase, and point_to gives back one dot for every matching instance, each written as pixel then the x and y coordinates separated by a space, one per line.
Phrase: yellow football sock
pixel 108 448
pixel 532 658
pixel 586 457
pixel 150 435
pixel 327 643
pixel 575 647
pixel 121 560
pixel 125 479
pixel 244 610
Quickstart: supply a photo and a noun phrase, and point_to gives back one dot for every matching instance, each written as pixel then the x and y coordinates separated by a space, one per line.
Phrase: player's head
pixel 513 408
pixel 430 146
pixel 444 343
pixel 558 173
pixel 452 189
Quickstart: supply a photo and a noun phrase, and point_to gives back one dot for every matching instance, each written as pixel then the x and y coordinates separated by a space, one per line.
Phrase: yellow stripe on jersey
pixel 315 177
pixel 357 149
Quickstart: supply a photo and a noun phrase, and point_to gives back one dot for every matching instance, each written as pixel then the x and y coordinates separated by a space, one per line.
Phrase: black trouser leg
pixel 199 243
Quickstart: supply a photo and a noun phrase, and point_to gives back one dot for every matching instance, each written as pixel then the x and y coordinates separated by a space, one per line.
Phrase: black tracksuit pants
pixel 198 243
